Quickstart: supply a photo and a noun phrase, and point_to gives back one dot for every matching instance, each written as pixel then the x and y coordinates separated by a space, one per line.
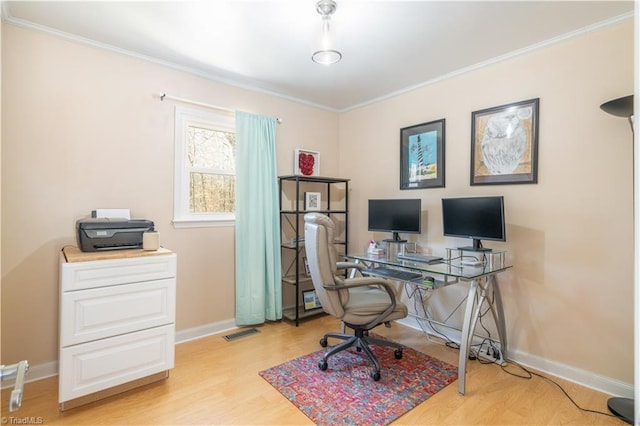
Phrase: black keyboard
pixel 396 274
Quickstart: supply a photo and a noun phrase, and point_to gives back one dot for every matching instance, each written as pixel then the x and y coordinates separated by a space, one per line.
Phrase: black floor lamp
pixel 621 107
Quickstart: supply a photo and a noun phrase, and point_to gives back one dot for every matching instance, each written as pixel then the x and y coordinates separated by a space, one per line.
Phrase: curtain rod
pixel 164 96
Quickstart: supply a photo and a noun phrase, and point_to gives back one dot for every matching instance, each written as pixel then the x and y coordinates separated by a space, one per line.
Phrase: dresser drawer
pixel 97 313
pixel 97 365
pixel 104 273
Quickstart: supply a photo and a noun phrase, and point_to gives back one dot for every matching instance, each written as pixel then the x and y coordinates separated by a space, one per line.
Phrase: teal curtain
pixel 258 267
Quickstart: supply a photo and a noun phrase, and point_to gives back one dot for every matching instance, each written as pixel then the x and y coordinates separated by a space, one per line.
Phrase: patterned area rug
pixel 345 394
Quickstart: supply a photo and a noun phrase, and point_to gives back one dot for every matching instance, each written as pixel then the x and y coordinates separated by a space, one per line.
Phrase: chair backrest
pixel 321 257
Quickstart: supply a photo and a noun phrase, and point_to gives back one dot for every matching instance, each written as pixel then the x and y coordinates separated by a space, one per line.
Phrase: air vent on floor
pixel 239 334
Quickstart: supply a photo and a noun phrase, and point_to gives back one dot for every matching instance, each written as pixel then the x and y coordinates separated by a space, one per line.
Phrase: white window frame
pixel 182 217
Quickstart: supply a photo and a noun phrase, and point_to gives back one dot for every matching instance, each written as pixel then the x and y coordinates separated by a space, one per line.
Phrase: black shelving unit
pixel 292 223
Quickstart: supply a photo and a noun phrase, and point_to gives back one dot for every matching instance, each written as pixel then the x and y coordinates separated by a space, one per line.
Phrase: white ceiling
pixel 388 46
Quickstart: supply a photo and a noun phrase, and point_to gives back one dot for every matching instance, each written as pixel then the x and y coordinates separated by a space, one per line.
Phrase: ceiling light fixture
pixel 327 54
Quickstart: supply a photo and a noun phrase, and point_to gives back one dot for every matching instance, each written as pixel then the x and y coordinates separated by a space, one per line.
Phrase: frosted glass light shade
pixel 326 53
pixel 326 57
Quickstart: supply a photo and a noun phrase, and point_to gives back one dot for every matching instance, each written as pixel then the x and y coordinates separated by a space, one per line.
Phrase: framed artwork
pixel 422 155
pixel 504 144
pixel 312 201
pixel 310 300
pixel 306 163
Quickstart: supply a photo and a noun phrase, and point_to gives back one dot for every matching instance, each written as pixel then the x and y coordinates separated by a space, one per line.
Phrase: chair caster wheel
pixel 323 342
pixel 398 353
pixel 323 365
pixel 375 376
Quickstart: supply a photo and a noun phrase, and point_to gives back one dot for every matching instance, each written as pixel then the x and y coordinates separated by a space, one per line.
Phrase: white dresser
pixel 117 321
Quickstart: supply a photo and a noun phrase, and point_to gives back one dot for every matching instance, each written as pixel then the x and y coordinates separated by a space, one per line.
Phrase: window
pixel 205 172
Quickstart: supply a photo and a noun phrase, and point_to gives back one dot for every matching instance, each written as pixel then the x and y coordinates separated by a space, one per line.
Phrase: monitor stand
pixel 396 239
pixel 477 246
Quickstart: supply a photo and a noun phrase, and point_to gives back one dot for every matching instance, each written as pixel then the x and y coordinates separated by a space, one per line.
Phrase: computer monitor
pixel 395 216
pixel 478 218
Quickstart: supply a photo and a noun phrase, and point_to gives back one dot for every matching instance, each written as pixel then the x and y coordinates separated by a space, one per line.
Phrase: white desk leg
pixel 467 333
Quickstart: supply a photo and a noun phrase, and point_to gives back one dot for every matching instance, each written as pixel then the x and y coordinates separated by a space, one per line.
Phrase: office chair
pixel 361 303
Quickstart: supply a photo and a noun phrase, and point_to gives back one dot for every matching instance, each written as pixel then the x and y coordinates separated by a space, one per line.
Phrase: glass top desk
pixel 450 271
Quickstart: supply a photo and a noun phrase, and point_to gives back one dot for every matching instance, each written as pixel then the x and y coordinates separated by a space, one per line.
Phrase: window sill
pixel 203 223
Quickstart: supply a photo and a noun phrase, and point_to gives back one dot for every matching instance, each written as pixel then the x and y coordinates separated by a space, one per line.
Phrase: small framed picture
pixel 306 162
pixel 312 201
pixel 504 144
pixel 422 155
pixel 311 300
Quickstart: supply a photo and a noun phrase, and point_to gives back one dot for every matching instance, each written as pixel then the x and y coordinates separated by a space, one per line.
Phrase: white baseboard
pixel 49 369
pixel 201 331
pixel 35 373
pixel 567 372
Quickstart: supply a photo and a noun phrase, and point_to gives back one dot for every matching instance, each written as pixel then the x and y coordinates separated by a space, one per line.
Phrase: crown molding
pixel 6 17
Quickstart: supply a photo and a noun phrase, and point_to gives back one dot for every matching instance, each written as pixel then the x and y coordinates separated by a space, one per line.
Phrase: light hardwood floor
pixel 217 382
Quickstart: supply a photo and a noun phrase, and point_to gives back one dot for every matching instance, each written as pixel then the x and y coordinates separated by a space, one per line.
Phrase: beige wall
pixel 569 296
pixel 83 130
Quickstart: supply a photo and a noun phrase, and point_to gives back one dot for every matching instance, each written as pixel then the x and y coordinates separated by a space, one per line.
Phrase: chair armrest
pixel 349 269
pixel 347 283
pixel 348 265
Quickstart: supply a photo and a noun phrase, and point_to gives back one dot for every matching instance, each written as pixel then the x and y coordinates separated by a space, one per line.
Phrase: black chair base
pixel 362 341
